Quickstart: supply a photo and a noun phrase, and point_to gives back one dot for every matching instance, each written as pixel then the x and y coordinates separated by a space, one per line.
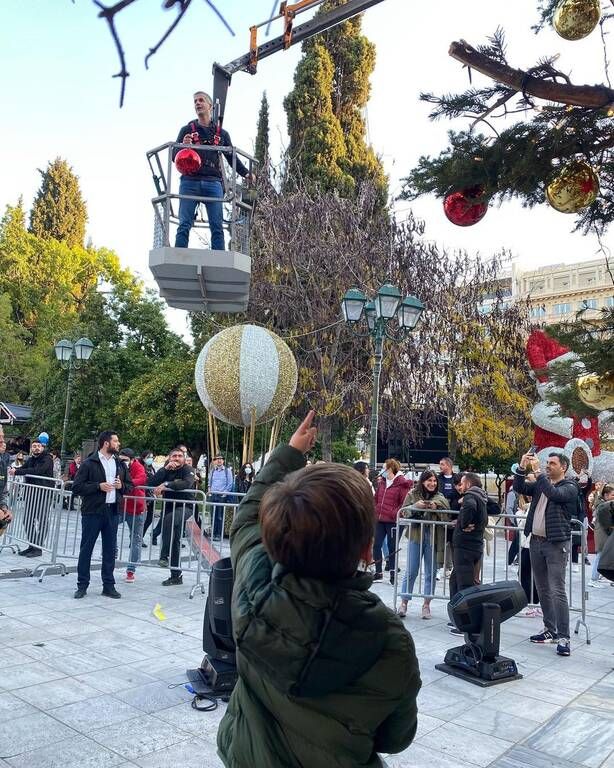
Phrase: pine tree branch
pixel 592 96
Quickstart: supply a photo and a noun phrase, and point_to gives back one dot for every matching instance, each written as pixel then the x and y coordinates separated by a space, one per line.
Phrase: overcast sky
pixel 58 97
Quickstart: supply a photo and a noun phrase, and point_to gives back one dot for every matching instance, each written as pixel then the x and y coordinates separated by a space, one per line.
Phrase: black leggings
pixel 384 531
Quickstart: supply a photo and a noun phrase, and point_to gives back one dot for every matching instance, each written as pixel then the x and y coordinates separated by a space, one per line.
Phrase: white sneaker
pixel 575 568
pixel 596 584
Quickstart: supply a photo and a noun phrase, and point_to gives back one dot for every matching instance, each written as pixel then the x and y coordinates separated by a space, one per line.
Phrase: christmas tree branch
pixel 592 96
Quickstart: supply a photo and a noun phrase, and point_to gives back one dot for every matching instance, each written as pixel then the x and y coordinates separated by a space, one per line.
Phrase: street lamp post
pixel 379 315
pixel 71 356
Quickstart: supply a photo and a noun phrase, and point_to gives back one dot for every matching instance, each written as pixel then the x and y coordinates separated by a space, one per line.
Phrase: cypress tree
pixel 261 151
pixel 325 110
pixel 59 210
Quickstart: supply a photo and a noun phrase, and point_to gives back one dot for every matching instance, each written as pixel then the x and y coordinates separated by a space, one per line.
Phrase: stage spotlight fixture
pixel 479 612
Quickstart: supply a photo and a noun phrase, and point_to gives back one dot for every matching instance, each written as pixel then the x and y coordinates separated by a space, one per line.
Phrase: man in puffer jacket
pixel 468 539
pixel 328 675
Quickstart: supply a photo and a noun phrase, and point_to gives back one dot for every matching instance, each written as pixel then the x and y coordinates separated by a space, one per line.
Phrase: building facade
pixel 556 292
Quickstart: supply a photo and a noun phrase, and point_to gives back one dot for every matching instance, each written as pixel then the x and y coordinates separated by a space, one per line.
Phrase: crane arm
pixel 222 75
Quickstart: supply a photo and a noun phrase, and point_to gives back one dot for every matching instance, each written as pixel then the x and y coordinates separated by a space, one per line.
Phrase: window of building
pixel 587 278
pixel 587 304
pixel 560 283
pixel 561 309
pixel 609 302
pixel 536 286
pixel 538 312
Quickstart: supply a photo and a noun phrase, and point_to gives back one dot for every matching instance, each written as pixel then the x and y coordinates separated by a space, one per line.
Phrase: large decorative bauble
pixel 575 19
pixel 573 187
pixel 187 161
pixel 597 391
pixel 246 371
pixel 465 207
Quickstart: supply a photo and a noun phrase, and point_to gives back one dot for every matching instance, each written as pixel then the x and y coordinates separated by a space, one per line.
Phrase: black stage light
pixel 217 674
pixel 479 612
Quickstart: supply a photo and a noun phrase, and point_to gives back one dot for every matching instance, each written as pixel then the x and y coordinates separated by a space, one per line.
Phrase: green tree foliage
pixel 262 150
pixel 325 111
pixel 59 210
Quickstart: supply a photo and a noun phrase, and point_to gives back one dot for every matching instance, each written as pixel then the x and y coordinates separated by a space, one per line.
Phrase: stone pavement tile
pixel 440 703
pixel 600 697
pixel 463 744
pixel 29 732
pixel 575 735
pixel 472 694
pixel 56 693
pixel 98 712
pixel 170 666
pixel 13 658
pixel 49 649
pixel 551 691
pixel 571 682
pixel 140 736
pixel 116 679
pixel 154 696
pixel 12 707
pixel 80 663
pixel 203 724
pixel 23 675
pixel 195 753
pixel 426 724
pixel 523 757
pixel 484 719
pixel 418 756
pixel 609 763
pixel 512 703
pixel 79 752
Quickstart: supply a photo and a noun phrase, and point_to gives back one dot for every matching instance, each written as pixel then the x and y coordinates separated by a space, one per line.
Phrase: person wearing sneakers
pixel 173 483
pixel 389 496
pixel 604 527
pixel 134 508
pixel 554 501
pixel 426 502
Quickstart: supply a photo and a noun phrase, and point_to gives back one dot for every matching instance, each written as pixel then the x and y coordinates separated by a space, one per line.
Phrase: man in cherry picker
pixel 206 180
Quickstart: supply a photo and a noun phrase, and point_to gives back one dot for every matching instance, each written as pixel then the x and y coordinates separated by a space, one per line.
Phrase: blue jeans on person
pixel 93 525
pixel 416 551
pixel 218 514
pixel 187 209
pixel 594 571
pixel 135 525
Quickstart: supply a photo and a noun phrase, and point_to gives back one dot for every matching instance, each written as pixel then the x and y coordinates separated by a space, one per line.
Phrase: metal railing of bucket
pixel 430 580
pixel 36 506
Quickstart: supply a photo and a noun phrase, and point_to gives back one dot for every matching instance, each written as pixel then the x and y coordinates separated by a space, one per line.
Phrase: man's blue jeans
pixel 414 555
pixel 187 209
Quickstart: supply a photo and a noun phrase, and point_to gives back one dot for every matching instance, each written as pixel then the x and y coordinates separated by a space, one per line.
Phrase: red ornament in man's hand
pixel 187 161
pixel 465 206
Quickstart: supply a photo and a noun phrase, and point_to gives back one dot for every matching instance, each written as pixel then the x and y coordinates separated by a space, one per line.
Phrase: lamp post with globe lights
pixel 71 356
pixel 380 315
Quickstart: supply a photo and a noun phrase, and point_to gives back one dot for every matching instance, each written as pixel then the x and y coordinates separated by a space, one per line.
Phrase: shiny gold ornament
pixel 597 391
pixel 246 375
pixel 575 19
pixel 573 187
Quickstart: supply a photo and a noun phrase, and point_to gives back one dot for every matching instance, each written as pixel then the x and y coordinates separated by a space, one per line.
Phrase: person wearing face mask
pixel 147 460
pixel 37 466
pixel 134 508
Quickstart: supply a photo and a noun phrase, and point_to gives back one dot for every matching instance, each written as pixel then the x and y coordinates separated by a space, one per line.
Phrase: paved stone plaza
pixel 89 684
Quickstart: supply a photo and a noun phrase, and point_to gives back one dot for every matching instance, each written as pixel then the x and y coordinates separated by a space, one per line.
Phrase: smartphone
pixel 532 450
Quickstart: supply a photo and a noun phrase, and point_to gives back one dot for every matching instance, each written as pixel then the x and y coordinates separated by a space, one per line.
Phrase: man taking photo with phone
pixel 554 499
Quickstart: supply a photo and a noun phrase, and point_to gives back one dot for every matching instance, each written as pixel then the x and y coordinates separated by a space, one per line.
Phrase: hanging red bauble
pixel 187 161
pixel 465 207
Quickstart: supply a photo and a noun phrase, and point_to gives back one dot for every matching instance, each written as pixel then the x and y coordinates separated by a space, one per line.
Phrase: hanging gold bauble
pixel 573 187
pixel 597 391
pixel 575 19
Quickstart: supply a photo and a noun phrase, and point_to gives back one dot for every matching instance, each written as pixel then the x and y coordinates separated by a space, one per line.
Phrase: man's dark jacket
pixel 41 465
pixel 209 159
pixel 179 481
pixel 562 503
pixel 87 485
pixel 473 511
pixel 328 675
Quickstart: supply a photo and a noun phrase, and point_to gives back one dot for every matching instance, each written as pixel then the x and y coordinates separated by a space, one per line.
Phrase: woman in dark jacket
pixel 389 497
pixel 243 481
pixel 328 674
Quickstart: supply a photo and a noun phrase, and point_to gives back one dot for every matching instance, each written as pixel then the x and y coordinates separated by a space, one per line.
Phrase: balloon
pixel 187 161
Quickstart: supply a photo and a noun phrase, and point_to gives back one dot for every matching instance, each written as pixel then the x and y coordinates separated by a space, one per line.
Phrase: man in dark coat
pixel 468 536
pixel 172 483
pixel 327 673
pixel 37 466
pixel 554 501
pixel 101 482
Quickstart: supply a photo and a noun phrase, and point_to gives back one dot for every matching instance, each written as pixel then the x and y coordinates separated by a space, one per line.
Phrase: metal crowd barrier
pixel 494 565
pixel 36 505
